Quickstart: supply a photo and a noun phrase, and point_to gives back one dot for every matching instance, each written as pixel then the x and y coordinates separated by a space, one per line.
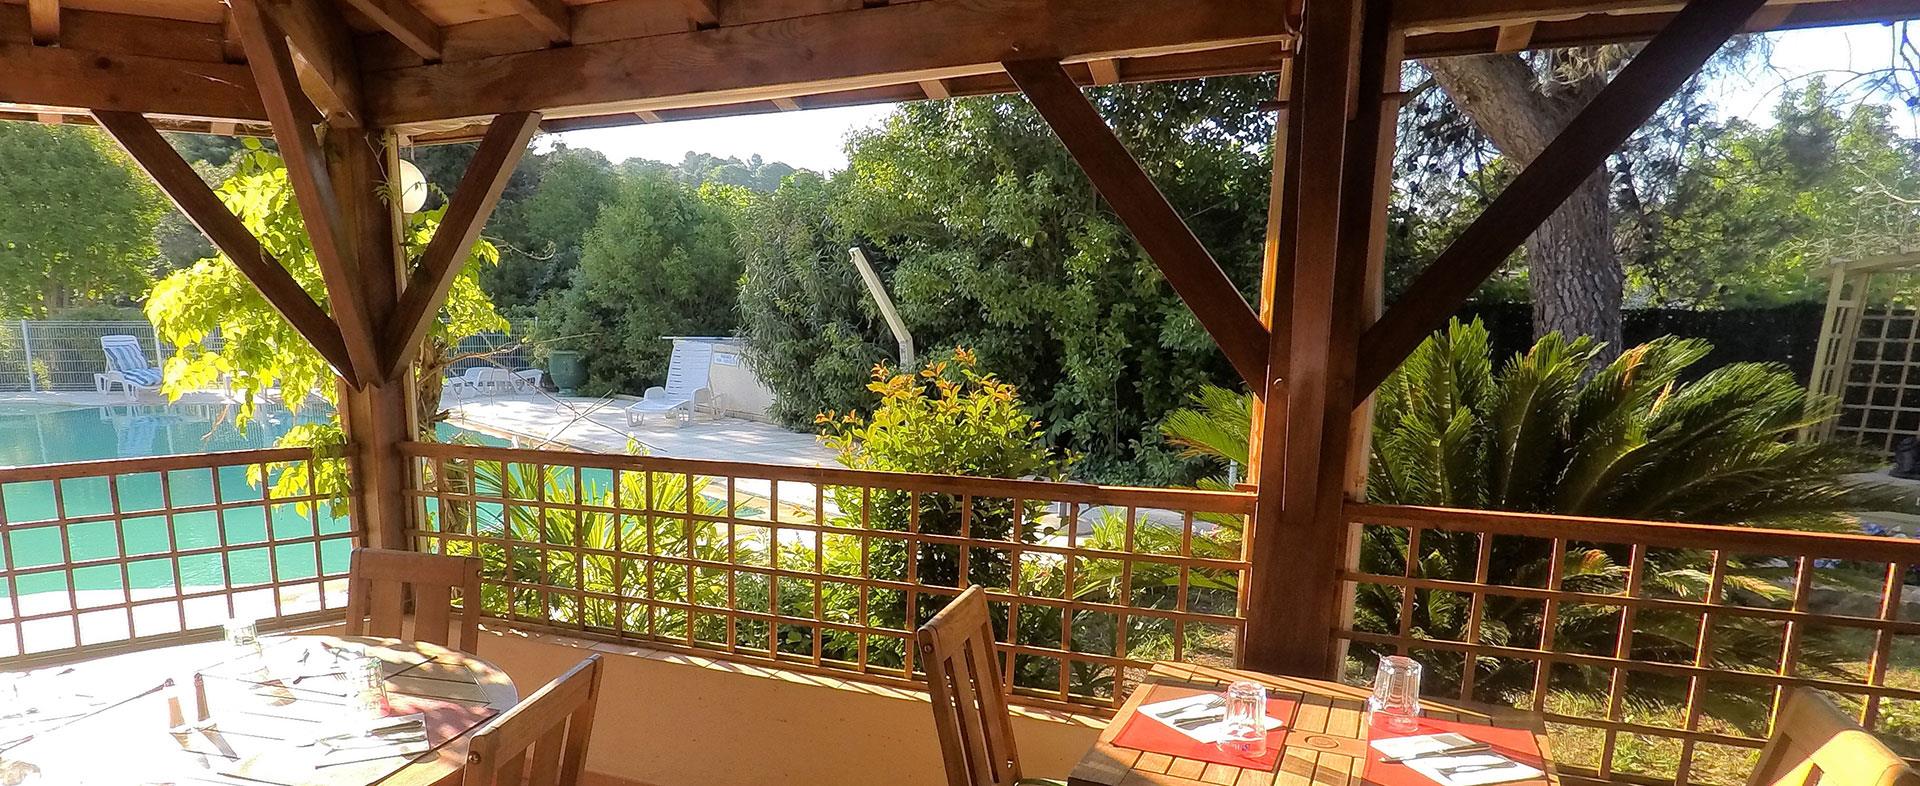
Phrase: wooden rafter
pixel 551 17
pixel 934 88
pixel 293 128
pixel 901 44
pixel 404 22
pixel 321 39
pixel 1191 271
pixel 472 202
pixel 1634 95
pixel 202 207
pixel 43 19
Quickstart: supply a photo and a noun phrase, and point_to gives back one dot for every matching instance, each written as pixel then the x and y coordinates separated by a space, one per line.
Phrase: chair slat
pixel 555 722
pixel 969 700
pixel 382 580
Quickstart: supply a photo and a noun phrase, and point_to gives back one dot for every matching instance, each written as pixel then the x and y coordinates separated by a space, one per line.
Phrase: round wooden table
pixel 132 699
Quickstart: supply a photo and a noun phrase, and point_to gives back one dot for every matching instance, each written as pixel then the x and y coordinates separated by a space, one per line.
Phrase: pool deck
pixel 599 425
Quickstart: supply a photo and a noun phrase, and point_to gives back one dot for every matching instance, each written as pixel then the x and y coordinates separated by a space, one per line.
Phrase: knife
pixel 1453 751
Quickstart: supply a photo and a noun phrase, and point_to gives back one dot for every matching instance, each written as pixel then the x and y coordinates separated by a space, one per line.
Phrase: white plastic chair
pixel 528 379
pixel 686 390
pixel 468 383
pixel 127 367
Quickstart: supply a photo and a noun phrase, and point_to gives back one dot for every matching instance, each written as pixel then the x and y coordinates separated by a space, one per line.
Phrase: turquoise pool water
pixel 40 434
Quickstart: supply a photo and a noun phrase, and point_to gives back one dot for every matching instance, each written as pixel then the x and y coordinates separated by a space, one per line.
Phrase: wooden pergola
pixel 341 84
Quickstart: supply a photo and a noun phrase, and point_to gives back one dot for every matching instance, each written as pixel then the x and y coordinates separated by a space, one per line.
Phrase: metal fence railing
pixel 48 355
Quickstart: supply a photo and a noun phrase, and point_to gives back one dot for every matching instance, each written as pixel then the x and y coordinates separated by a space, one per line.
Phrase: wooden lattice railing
pixel 830 570
pixel 1656 651
pixel 104 554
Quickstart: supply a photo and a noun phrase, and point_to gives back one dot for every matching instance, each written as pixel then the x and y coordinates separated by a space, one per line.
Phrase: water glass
pixel 1246 724
pixel 367 686
pixel 1396 694
pixel 243 633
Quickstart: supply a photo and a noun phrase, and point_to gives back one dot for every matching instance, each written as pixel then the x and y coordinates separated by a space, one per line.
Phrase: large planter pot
pixel 567 370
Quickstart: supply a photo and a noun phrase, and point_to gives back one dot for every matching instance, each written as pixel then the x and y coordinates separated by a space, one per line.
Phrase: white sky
pixel 814 138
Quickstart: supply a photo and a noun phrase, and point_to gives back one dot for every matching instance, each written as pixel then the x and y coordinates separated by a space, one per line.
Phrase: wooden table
pixel 123 698
pixel 1326 745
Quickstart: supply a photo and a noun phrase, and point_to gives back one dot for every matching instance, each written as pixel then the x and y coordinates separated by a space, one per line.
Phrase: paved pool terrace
pixel 599 425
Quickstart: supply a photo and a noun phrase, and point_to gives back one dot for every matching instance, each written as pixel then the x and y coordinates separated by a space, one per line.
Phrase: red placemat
pixel 1516 744
pixel 1146 734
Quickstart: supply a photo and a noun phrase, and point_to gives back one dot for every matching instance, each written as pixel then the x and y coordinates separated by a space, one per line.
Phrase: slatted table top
pixel 1327 743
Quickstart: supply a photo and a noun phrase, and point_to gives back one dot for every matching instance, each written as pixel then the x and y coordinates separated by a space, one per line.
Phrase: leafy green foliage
pixel 79 220
pixel 259 351
pixel 1760 211
pixel 812 331
pixel 1629 441
pixel 541 232
pixel 990 237
pixel 659 261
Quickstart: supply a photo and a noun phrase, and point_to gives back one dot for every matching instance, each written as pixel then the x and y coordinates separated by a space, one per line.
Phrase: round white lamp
pixel 413 187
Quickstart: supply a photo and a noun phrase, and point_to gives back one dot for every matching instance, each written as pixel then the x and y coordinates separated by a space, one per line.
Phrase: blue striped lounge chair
pixel 127 366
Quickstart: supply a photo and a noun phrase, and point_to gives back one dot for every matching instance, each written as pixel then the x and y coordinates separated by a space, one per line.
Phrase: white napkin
pixel 1193 709
pixel 1466 769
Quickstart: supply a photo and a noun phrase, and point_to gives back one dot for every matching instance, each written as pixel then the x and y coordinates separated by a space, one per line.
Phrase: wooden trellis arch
pixel 1868 358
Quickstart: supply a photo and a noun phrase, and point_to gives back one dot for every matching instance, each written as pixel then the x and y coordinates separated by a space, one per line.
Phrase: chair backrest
pixel 543 740
pixel 969 704
pixel 688 370
pixel 377 588
pixel 124 353
pixel 1813 743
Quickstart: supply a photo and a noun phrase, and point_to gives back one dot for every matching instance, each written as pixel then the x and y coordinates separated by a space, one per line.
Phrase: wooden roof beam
pixel 1189 269
pixel 405 22
pixel 1595 133
pixel 320 208
pixel 321 39
pixel 472 202
pixel 1427 16
pixel 896 44
pixel 551 17
pixel 202 207
pixel 78 79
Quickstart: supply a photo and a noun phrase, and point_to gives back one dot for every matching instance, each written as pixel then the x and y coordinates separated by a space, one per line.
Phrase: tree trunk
pixel 1574 273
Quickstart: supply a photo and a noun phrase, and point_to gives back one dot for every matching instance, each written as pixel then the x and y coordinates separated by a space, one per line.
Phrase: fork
pixel 1211 704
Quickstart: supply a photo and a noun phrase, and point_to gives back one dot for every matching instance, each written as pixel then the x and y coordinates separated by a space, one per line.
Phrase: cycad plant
pixel 1631 440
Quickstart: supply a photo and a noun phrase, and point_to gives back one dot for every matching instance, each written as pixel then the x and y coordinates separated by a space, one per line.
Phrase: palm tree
pixel 1540 435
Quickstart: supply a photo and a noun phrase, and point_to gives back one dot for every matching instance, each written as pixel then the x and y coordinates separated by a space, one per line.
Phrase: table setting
pixel 289 711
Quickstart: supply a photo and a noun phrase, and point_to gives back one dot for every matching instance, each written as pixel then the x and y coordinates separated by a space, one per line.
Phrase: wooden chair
pixel 377 589
pixel 1814 743
pixel 553 725
pixel 969 701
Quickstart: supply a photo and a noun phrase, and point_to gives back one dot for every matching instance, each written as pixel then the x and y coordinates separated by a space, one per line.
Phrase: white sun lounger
pixel 127 367
pixel 686 390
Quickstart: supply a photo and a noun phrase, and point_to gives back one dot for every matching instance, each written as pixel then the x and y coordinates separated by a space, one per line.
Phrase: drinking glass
pixel 1246 722
pixel 1396 694
pixel 367 686
pixel 243 633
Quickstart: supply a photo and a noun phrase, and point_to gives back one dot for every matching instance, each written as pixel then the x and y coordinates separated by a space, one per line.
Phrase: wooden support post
pixel 473 201
pixel 321 205
pixel 1189 269
pixel 378 416
pixel 202 207
pixel 1344 130
pixel 1666 63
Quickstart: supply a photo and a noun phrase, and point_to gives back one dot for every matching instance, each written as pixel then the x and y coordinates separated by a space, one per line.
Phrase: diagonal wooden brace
pixel 1666 63
pixel 293 118
pixel 473 201
pixel 1192 272
pixel 188 192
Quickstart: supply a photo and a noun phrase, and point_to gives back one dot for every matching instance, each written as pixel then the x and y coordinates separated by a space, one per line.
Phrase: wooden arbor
pixel 1866 356
pixel 338 84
